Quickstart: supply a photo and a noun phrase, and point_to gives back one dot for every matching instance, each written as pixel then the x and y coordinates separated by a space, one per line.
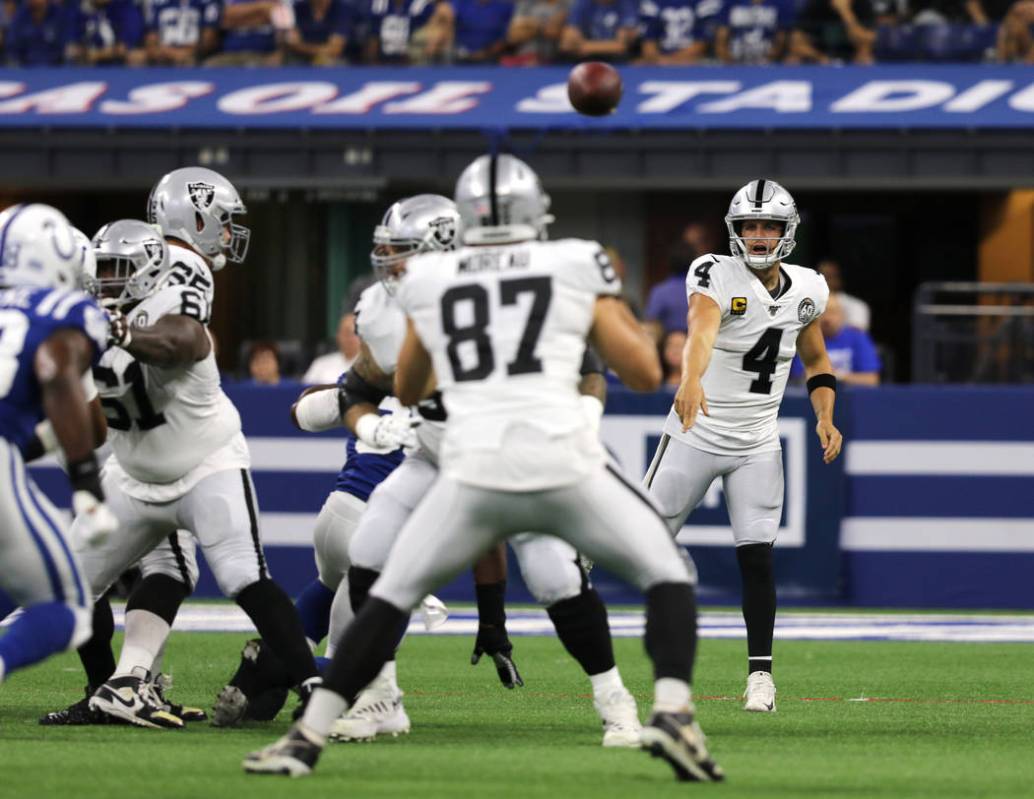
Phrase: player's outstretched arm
pixel 624 346
pixel 59 364
pixel 414 377
pixel 173 341
pixel 703 322
pixel 821 387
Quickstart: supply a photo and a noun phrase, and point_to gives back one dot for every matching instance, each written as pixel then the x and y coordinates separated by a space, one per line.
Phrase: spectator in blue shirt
pixel 392 24
pixel 109 32
pixel 250 34
pixel 603 30
pixel 667 306
pixel 851 351
pixel 39 34
pixel 754 31
pixel 321 31
pixel 676 31
pixel 181 32
pixel 477 28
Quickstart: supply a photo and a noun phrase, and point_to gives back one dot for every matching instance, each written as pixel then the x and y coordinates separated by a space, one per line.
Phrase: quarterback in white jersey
pixel 749 314
pixel 503 324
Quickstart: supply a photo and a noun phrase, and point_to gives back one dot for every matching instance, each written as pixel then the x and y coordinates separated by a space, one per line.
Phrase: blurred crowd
pixel 512 32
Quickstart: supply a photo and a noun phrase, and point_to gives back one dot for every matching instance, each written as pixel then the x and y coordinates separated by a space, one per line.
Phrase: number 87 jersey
pixel 506 328
pixel 757 339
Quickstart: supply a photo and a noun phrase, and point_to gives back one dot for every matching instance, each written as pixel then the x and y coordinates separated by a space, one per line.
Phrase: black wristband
pixel 85 475
pixel 822 381
pixel 33 449
pixel 491 603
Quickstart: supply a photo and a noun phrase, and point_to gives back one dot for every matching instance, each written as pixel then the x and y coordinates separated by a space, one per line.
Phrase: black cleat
pixel 163 683
pixel 76 715
pixel 678 739
pixel 294 755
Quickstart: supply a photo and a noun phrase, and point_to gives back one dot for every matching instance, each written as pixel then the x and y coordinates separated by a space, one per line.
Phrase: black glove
pixel 492 640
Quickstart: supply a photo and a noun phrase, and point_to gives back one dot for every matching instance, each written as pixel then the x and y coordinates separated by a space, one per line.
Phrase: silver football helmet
pixel 500 199
pixel 198 206
pixel 132 259
pixel 88 273
pixel 424 223
pixel 38 248
pixel 762 199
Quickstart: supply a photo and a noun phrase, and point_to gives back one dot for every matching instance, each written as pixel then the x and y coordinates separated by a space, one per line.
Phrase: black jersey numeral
pixel 118 416
pixel 541 290
pixel 761 358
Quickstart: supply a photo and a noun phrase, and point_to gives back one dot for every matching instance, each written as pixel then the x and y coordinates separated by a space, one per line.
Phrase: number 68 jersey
pixel 757 339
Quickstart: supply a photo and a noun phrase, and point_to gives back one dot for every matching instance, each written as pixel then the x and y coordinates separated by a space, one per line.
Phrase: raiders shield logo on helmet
pixel 153 248
pixel 444 231
pixel 201 195
pixel 805 311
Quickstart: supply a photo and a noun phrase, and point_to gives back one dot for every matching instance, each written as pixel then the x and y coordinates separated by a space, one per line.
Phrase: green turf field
pixel 943 737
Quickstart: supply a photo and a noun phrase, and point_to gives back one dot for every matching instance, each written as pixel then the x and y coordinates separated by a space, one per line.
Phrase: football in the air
pixel 594 88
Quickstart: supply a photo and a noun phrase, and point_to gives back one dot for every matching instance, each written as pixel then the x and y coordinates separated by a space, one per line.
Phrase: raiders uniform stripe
pixel 656 463
pixel 181 561
pixel 759 194
pixel 249 500
pixel 493 199
pixel 639 494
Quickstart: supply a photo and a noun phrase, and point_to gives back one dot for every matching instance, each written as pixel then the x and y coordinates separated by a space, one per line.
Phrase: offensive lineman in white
pixel 503 326
pixel 748 314
pixel 179 458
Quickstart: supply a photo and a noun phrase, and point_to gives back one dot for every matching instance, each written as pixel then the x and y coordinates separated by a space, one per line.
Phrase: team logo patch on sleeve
pixel 738 307
pixel 201 195
pixel 806 311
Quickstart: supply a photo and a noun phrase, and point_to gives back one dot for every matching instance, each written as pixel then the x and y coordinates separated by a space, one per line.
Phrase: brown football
pixel 594 88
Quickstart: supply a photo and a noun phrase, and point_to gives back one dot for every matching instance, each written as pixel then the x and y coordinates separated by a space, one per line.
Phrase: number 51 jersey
pixel 506 329
pixel 169 428
pixel 757 339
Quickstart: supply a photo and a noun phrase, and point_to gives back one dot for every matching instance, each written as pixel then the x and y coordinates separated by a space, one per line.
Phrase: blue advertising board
pixel 655 98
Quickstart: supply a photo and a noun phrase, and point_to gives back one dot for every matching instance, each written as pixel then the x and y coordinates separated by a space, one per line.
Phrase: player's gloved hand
pixel 387 432
pixel 94 519
pixel 492 640
pixel 119 333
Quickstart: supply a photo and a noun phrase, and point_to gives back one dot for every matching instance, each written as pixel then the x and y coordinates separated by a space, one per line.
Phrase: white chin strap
pixel 218 262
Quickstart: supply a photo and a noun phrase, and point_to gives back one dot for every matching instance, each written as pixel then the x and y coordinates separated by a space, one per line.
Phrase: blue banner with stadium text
pixel 876 97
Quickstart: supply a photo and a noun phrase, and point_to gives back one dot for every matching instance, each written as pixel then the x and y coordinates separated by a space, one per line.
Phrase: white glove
pixel 119 334
pixel 433 611
pixel 387 432
pixel 95 521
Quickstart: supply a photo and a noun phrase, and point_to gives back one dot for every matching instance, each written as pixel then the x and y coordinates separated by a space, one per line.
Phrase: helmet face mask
pixel 423 223
pixel 198 206
pixel 132 260
pixel 762 200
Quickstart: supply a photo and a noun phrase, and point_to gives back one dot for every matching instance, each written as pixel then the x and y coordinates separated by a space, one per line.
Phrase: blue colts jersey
pixel 28 317
pixel 365 468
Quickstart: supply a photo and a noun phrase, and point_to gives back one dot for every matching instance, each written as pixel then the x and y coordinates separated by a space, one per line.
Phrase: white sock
pixel 389 673
pixel 159 662
pixel 145 636
pixel 3 669
pixel 671 695
pixel 323 710
pixel 606 682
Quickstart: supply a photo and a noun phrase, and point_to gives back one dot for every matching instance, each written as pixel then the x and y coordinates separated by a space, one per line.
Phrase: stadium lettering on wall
pixel 922 96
